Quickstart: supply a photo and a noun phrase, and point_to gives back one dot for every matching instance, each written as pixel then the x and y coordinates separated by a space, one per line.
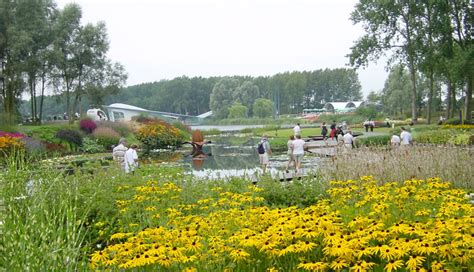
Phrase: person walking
pixel 332 134
pixel 366 125
pixel 298 152
pixel 395 140
pixel 348 140
pixel 324 130
pixel 372 125
pixel 264 151
pixel 291 157
pixel 131 159
pixel 405 138
pixel 297 130
pixel 118 153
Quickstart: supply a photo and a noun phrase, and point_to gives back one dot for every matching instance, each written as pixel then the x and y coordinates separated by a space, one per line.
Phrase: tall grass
pixel 42 223
pixel 449 163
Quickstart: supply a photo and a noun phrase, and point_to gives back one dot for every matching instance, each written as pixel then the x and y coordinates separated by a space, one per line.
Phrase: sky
pixel 164 39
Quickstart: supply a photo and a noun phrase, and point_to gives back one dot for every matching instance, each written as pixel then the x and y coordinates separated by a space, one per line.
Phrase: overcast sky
pixel 163 39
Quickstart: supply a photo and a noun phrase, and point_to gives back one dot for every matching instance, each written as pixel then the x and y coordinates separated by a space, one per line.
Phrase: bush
pixel 122 128
pixel 87 125
pixel 106 137
pixel 159 134
pixel 72 137
pixel 46 133
pixel 91 145
pixel 373 140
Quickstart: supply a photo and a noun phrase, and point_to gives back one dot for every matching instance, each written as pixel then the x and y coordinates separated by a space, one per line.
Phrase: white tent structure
pixel 343 106
pixel 122 112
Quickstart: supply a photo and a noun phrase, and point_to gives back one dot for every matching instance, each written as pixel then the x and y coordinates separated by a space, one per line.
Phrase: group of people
pixel 336 131
pixel 405 138
pixel 295 152
pixel 369 124
pixel 127 158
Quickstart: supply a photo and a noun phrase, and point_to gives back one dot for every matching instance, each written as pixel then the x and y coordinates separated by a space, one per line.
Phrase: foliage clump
pixel 156 134
pixel 106 137
pixel 87 125
pixel 72 137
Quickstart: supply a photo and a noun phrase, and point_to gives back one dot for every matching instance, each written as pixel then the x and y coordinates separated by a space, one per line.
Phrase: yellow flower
pixel 339 264
pixel 99 256
pixel 393 265
pixel 318 266
pixel 414 262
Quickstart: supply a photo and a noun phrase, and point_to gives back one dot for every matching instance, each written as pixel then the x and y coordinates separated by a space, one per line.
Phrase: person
pixel 131 159
pixel 371 125
pixel 297 130
pixel 291 157
pixel 405 137
pixel 395 140
pixel 332 134
pixel 298 152
pixel 348 139
pixel 264 151
pixel 366 125
pixel 324 130
pixel 118 153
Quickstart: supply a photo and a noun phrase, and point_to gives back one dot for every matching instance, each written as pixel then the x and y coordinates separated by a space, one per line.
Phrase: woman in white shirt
pixel 291 157
pixel 298 152
pixel 131 159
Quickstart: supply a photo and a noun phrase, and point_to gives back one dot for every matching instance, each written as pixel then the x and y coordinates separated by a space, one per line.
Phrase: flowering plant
pixel 87 125
pixel 159 134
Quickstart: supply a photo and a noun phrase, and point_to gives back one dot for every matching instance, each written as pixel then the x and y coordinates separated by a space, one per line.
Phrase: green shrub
pixel 460 139
pixel 72 137
pixel 91 145
pixel 213 131
pixel 433 136
pixel 45 133
pixel 106 137
pixel 373 140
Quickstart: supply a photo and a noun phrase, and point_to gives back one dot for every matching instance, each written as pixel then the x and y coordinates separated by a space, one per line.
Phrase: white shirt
pixel 348 138
pixel 405 137
pixel 298 147
pixel 131 158
pixel 395 139
pixel 297 130
pixel 119 153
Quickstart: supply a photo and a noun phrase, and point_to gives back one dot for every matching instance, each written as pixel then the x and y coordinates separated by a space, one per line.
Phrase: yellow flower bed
pixel 419 225
pixel 8 143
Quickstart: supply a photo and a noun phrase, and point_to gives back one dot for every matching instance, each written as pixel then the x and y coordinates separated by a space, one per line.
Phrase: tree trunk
pixel 468 99
pixel 41 98
pixel 414 116
pixel 453 102
pixel 449 99
pixel 430 97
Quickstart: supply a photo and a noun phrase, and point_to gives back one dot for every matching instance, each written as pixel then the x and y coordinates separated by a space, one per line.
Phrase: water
pixel 229 128
pixel 230 156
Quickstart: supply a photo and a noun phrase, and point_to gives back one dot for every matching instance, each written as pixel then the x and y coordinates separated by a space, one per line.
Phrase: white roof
pixel 343 105
pixel 206 114
pixel 125 107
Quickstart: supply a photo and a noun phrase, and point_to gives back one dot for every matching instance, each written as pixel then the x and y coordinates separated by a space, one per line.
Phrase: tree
pixel 238 111
pixel 389 26
pixel 396 92
pixel 262 108
pixel 246 94
pixel 221 97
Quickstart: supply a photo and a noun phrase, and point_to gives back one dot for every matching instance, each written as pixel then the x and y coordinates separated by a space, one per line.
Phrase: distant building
pixel 342 107
pixel 122 112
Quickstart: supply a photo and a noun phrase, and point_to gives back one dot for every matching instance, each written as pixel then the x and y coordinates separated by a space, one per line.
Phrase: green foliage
pixel 302 193
pixel 461 139
pixel 91 145
pixel 380 140
pixel 263 108
pixel 237 110
pixel 213 131
pixel 221 97
pixel 368 112
pixel 45 133
pixel 443 136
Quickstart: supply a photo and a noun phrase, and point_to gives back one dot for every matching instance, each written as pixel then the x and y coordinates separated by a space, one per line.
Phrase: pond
pixel 229 156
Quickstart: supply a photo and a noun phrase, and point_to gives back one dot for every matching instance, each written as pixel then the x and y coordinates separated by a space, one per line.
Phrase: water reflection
pixel 230 156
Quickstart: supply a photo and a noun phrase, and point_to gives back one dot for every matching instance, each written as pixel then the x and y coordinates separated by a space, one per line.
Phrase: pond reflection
pixel 228 156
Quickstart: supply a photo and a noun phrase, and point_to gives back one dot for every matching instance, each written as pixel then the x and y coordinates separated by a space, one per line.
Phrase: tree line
pixel 43 47
pixel 287 93
pixel 432 40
